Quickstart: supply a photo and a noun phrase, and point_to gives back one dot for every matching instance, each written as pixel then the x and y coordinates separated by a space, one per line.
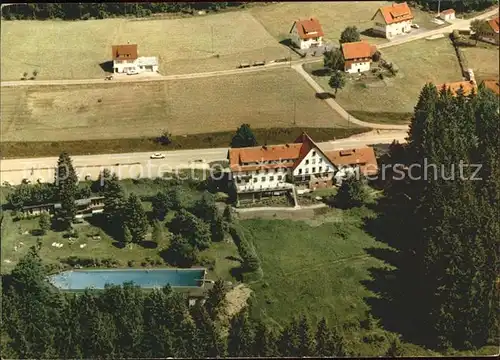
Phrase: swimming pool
pixel 148 279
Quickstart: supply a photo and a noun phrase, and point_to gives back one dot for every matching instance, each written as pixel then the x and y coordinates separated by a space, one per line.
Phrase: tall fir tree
pixel 136 219
pixel 240 336
pixel 446 218
pixel 66 183
pixel 265 341
pixel 306 344
pixel 114 206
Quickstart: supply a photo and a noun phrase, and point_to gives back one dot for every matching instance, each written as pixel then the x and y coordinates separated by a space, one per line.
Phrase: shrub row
pixel 251 262
pixel 455 40
pixel 76 261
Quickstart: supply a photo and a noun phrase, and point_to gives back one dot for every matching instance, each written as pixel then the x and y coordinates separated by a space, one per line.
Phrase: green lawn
pixel 312 269
pixel 19 236
pixel 392 99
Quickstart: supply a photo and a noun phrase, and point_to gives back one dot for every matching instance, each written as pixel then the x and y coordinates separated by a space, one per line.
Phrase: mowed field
pixel 484 61
pixel 132 110
pixel 80 49
pixel 419 62
pixel 75 49
pixel 334 17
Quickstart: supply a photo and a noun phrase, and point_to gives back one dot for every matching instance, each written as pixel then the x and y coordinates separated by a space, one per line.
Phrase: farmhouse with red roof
pixel 307 33
pixel 393 20
pixel 357 56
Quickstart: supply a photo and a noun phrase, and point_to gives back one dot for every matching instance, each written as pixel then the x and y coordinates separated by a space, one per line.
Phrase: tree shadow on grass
pixel 233 258
pixel 322 72
pixel 37 232
pixel 99 221
pixel 394 296
pixel 237 273
pixel 323 95
pixel 371 33
pixel 148 244
pixel 118 244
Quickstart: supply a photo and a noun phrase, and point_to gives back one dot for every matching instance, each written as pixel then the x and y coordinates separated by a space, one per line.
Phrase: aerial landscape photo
pixel 250 179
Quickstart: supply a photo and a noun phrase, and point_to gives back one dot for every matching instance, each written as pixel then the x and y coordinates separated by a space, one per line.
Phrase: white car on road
pixel 132 72
pixel 157 156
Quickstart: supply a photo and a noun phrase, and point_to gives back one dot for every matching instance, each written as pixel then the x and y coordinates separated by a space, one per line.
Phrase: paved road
pixel 131 165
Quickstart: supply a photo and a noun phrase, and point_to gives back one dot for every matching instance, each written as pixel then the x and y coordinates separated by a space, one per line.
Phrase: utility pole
pixel 212 31
pixel 294 111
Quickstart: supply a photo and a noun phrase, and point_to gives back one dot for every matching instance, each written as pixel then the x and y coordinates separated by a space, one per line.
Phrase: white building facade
pixel 126 60
pixel 357 56
pixel 306 34
pixel 279 169
pixel 447 15
pixel 393 20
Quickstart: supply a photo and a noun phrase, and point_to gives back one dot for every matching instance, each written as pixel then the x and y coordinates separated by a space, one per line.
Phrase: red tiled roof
pixel 447 11
pixel 395 13
pixel 363 157
pixel 309 28
pixel 467 87
pixel 296 151
pixel 495 24
pixel 493 85
pixel 356 50
pixel 238 156
pixel 124 52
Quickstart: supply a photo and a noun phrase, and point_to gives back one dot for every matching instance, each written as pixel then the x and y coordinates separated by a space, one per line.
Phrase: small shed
pixel 447 15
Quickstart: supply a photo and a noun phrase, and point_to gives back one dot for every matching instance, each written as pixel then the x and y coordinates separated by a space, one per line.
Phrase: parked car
pixel 26 181
pixel 415 26
pixel 132 72
pixel 157 156
pixel 109 77
pixel 6 183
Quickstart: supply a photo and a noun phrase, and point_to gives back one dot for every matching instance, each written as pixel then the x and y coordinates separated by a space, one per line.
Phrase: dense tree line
pixel 125 322
pixel 458 5
pixel 84 11
pixel 444 218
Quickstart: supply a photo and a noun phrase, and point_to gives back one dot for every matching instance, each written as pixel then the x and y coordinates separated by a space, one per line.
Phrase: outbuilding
pixel 447 15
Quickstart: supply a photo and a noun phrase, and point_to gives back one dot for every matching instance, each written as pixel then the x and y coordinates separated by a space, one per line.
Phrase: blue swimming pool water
pixel 97 279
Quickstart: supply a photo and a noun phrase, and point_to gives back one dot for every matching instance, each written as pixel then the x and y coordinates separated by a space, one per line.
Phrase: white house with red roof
pixel 126 60
pixel 301 165
pixel 357 56
pixel 305 34
pixel 393 20
pixel 447 15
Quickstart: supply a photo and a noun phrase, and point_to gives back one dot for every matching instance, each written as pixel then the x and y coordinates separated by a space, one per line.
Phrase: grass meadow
pixel 274 98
